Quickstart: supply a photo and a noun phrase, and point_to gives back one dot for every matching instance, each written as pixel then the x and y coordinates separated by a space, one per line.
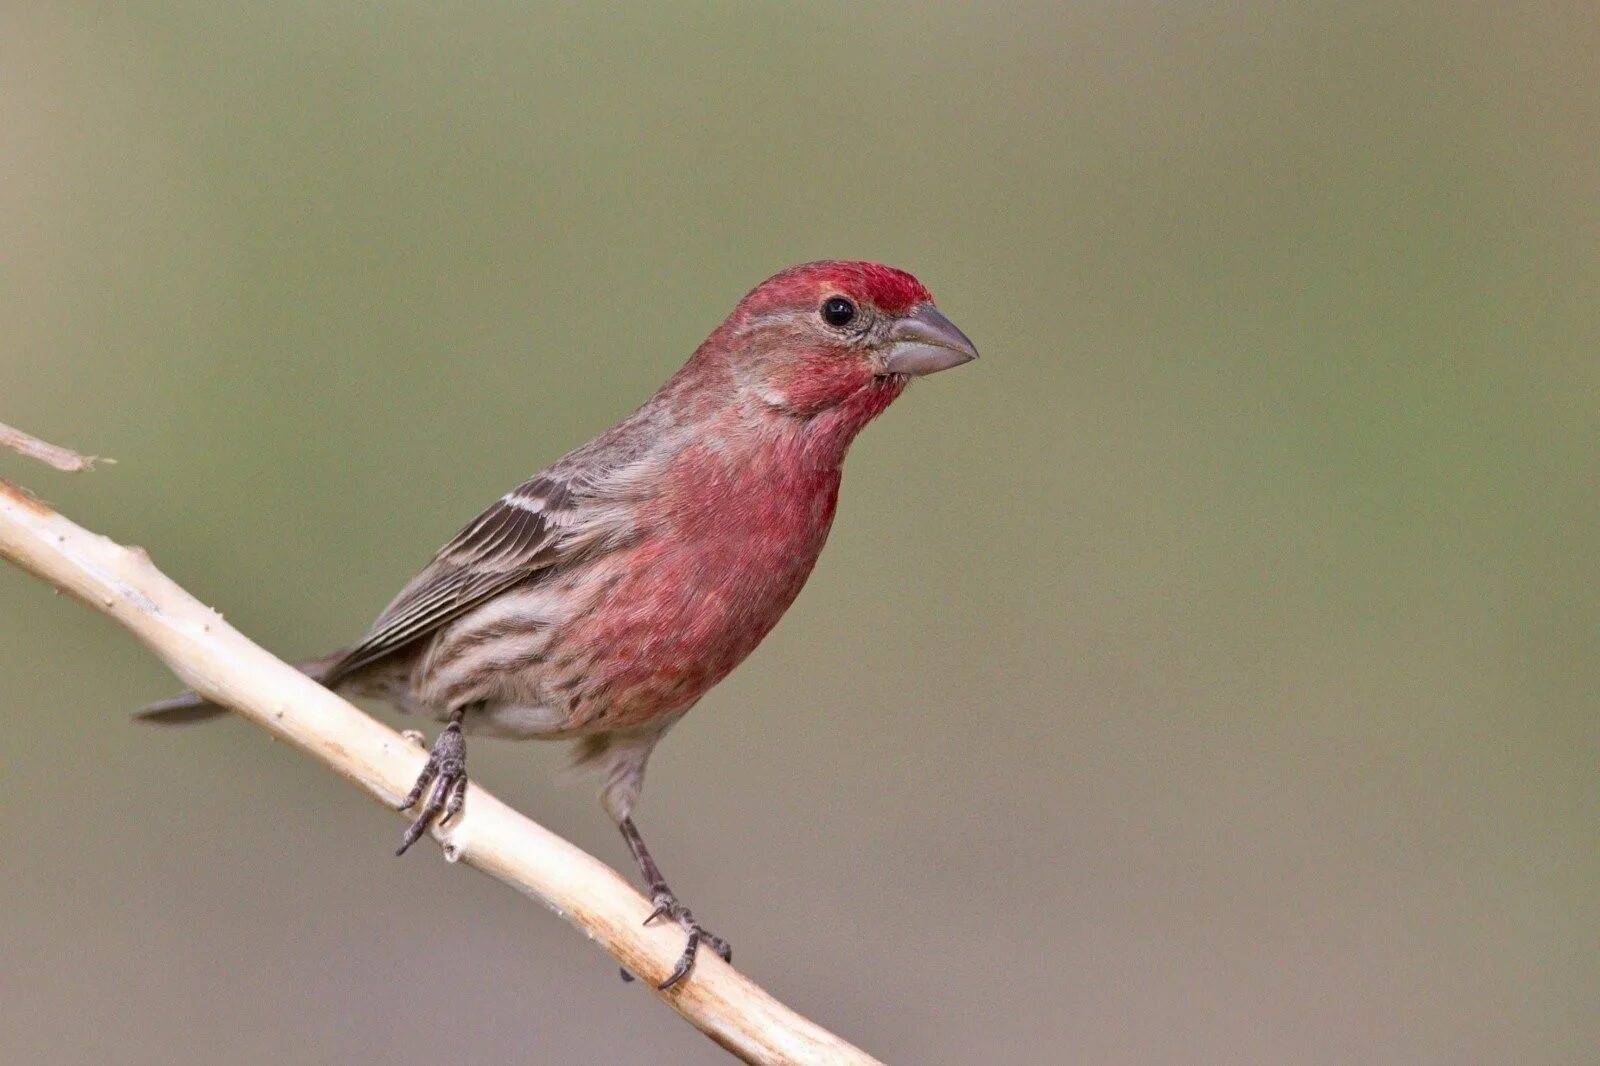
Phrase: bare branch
pixel 216 660
pixel 53 454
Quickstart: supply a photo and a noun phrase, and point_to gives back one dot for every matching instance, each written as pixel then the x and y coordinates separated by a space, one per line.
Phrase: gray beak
pixel 925 342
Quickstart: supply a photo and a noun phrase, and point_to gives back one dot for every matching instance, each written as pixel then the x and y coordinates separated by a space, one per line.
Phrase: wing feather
pixel 521 534
pixel 580 507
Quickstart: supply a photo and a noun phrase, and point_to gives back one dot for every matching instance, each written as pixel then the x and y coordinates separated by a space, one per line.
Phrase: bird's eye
pixel 837 311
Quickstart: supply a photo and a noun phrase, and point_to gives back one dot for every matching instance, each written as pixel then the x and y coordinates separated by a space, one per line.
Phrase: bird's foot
pixel 446 772
pixel 668 907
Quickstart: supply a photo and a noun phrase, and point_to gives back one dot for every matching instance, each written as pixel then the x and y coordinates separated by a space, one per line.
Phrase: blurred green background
pixel 1206 675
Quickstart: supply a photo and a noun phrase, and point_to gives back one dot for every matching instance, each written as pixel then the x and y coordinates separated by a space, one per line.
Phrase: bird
pixel 599 600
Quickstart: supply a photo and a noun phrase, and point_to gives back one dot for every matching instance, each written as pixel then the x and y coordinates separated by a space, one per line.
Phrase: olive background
pixel 1205 675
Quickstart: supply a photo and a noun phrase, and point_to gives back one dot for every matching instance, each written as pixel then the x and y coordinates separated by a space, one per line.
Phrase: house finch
pixel 600 599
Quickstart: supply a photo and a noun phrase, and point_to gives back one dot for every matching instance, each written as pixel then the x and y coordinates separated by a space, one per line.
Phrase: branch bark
pixel 216 660
pixel 52 454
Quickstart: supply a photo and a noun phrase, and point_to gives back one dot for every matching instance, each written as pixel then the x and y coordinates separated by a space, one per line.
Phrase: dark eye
pixel 837 311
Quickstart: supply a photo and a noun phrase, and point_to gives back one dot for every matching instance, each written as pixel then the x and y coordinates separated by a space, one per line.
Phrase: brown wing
pixel 514 539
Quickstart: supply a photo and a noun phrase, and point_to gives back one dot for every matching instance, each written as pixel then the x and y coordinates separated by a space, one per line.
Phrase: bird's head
pixel 837 335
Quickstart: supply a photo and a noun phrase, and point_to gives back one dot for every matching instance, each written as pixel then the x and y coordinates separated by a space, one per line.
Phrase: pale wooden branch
pixel 216 660
pixel 52 454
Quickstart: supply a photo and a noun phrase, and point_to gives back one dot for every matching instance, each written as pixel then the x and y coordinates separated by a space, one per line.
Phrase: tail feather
pixel 189 707
pixel 182 709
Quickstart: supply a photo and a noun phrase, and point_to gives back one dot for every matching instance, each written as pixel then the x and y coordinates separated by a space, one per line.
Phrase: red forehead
pixel 884 287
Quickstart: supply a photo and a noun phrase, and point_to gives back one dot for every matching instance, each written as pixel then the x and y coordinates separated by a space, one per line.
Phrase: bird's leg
pixel 446 772
pixel 668 906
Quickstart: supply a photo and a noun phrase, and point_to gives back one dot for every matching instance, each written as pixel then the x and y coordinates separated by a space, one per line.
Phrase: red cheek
pixel 824 381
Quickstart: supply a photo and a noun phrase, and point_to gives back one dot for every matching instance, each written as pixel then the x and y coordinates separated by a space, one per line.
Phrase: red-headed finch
pixel 600 599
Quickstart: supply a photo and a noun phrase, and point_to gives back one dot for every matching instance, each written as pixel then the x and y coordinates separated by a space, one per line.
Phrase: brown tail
pixel 188 707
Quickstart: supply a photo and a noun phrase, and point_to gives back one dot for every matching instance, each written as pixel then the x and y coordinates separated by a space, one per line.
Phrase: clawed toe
pixel 668 906
pixel 443 780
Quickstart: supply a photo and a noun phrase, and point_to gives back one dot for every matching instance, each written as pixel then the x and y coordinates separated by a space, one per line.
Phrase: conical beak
pixel 925 342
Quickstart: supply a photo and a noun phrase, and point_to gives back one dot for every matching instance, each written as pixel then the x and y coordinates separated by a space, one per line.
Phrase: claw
pixel 413 832
pixel 685 961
